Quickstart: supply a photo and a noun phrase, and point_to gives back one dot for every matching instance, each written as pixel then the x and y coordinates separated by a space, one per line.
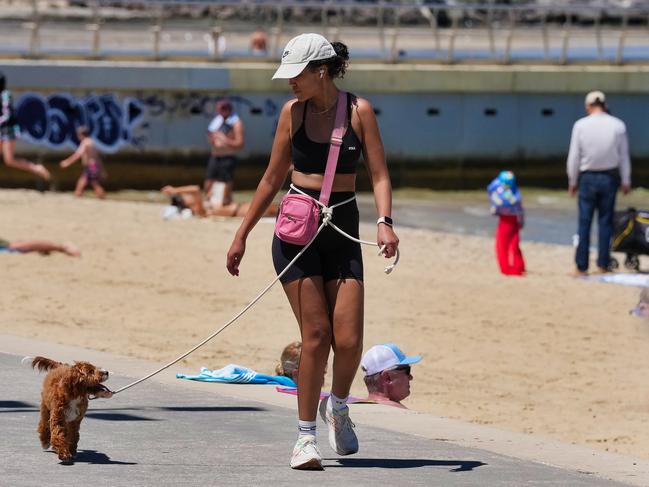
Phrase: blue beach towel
pixel 236 374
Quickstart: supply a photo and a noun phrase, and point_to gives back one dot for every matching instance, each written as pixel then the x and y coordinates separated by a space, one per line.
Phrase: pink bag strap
pixel 334 148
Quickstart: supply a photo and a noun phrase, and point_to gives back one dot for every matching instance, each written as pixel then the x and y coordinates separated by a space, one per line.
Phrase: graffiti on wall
pixel 52 120
pixel 198 104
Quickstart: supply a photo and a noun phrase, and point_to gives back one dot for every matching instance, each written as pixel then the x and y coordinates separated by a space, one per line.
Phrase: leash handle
pixel 232 320
pixel 326 222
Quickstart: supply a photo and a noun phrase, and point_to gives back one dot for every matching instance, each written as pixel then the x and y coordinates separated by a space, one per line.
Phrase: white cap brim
pixel 289 70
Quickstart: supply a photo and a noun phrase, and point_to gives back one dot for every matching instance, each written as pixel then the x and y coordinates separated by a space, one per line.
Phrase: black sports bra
pixel 311 157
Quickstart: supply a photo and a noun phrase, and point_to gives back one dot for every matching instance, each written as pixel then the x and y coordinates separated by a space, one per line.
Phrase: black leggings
pixel 332 255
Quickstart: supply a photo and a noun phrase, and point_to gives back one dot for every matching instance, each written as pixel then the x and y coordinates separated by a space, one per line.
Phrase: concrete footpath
pixel 167 431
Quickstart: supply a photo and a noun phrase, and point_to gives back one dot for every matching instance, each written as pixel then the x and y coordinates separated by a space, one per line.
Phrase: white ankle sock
pixel 337 403
pixel 305 428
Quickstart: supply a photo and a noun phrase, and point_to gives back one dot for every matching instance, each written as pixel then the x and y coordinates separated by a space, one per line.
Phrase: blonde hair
pixel 290 359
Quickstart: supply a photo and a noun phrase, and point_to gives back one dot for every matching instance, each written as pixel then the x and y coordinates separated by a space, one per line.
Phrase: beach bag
pixel 298 219
pixel 299 214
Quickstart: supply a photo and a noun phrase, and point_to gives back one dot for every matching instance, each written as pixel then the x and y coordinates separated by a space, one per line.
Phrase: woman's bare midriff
pixel 342 182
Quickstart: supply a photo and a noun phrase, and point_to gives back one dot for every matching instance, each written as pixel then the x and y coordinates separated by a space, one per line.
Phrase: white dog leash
pixel 327 214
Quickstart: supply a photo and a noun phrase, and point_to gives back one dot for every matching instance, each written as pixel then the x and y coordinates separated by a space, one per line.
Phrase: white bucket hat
pixel 300 51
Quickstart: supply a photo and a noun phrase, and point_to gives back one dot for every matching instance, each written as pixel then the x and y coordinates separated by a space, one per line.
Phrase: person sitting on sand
pixel 387 374
pixel 44 247
pixel 93 171
pixel 202 205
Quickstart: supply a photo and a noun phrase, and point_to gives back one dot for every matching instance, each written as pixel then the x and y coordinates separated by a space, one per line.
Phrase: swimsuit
pixel 92 172
pixel 221 168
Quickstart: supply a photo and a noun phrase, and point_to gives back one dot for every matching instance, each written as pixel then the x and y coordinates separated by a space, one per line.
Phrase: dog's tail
pixel 42 363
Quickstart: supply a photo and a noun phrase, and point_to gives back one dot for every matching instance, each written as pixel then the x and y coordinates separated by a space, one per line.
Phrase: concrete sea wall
pixel 442 125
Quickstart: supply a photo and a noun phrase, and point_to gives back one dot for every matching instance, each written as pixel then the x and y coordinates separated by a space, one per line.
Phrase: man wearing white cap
pixel 387 374
pixel 598 164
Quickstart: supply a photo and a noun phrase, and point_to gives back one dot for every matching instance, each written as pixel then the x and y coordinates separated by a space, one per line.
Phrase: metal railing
pixel 391 31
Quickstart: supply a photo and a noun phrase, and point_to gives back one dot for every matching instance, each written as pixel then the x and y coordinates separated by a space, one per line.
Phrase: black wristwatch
pixel 385 219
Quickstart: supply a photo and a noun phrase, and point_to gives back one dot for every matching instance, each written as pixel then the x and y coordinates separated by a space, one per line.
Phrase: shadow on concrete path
pixel 462 465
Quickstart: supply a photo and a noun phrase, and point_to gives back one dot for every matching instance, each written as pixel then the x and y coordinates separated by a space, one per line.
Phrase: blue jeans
pixel 597 191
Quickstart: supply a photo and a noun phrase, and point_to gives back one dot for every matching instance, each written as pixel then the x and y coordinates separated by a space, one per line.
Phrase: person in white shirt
pixel 226 136
pixel 598 165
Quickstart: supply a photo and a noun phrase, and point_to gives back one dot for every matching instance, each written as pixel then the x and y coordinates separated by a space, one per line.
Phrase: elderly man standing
pixel 598 161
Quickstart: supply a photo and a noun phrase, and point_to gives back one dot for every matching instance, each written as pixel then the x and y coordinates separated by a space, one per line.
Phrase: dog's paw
pixel 66 459
pixel 45 446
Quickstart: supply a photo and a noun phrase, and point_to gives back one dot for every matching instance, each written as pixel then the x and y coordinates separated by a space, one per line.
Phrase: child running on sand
pixel 506 202
pixel 93 171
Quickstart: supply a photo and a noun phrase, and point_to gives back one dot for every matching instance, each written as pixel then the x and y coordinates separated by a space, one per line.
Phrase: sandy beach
pixel 545 354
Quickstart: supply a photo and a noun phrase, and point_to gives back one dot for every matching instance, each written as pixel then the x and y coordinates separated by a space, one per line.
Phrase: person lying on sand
pixel 44 247
pixel 202 205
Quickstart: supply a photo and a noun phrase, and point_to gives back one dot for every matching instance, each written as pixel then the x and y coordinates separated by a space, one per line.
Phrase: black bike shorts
pixel 332 255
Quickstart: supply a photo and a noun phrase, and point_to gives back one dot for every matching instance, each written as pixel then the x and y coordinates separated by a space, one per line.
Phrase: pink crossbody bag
pixel 299 215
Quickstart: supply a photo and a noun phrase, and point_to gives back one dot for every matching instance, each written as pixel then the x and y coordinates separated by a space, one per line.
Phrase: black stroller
pixel 631 236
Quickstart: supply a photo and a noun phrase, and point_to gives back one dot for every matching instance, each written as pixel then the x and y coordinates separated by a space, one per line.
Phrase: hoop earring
pixel 321 73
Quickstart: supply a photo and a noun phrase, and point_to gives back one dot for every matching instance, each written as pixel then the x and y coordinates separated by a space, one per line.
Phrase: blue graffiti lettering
pixel 53 121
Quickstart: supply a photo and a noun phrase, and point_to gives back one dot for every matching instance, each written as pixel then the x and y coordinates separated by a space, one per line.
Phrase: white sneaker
pixel 341 429
pixel 306 455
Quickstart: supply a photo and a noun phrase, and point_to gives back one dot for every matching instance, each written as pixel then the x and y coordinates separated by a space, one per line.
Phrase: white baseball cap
pixel 300 51
pixel 594 97
pixel 385 356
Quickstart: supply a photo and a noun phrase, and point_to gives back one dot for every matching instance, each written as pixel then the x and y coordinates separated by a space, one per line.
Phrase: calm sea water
pixel 555 226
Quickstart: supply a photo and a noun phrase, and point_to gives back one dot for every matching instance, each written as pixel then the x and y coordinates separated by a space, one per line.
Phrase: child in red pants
pixel 506 202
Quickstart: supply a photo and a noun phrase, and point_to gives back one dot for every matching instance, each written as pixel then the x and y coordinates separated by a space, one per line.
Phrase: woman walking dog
pixel 325 285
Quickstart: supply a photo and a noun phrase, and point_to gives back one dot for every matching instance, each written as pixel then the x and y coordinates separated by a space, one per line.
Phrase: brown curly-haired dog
pixel 64 402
